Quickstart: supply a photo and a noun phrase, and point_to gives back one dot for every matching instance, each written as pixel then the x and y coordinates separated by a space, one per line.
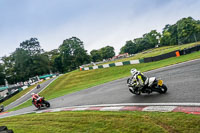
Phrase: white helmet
pixel 32 94
pixel 134 71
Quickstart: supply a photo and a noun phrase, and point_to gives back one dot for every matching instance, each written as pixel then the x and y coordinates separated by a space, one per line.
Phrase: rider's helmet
pixel 134 71
pixel 32 94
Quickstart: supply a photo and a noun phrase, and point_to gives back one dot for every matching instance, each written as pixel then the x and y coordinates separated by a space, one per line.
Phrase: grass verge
pixel 78 80
pixel 103 122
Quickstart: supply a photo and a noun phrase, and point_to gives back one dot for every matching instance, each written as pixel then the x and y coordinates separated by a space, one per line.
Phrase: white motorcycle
pixel 152 85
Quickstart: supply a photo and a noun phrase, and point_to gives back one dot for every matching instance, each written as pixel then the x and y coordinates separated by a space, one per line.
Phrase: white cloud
pixel 103 24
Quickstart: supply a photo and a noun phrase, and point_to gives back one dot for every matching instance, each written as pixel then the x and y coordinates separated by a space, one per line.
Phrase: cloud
pixel 100 28
pixel 97 23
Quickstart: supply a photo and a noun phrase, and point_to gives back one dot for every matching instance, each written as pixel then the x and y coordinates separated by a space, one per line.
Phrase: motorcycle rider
pixel 35 98
pixel 139 80
pixel 38 86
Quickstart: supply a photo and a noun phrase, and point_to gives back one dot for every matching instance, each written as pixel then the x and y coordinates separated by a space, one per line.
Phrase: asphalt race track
pixel 182 80
pixel 28 95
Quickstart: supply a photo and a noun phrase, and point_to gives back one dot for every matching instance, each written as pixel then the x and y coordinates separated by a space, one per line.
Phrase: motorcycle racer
pixel 140 83
pixel 139 80
pixel 39 101
pixel 34 98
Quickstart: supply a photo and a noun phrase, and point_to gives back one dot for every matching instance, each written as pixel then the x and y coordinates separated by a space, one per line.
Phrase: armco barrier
pixel 160 57
pixel 126 63
pixel 106 65
pixel 146 60
pixel 118 64
pixel 95 67
pixel 101 66
pixel 141 60
pixel 114 64
pixel 111 65
pixel 190 50
pixel 134 61
pixel 168 55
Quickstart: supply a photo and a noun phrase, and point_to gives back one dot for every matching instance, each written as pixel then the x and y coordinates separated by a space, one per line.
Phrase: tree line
pixel 29 59
pixel 185 30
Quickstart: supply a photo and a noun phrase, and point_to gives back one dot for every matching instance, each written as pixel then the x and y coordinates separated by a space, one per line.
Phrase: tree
pixel 52 55
pixel 40 65
pixel 107 52
pixel 187 30
pixel 58 64
pixel 8 65
pixel 2 75
pixel 73 54
pixel 96 55
pixel 129 47
pixel 151 39
pixel 169 35
pixel 165 39
pixel 23 63
pixel 32 46
pixel 29 60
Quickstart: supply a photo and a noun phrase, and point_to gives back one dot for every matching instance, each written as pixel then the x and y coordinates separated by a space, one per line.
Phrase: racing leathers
pixel 34 98
pixel 139 81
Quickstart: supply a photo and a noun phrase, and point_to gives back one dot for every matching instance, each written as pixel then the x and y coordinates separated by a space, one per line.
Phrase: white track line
pixel 159 108
pixel 111 108
pixel 164 107
pixel 137 104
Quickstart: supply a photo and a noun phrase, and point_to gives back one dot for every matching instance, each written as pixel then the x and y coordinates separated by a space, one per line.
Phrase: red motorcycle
pixel 40 102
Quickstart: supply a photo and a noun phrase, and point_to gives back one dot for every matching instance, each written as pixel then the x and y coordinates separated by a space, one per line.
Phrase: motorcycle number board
pixel 160 82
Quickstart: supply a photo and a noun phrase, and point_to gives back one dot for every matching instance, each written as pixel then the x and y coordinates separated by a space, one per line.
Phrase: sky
pixel 97 23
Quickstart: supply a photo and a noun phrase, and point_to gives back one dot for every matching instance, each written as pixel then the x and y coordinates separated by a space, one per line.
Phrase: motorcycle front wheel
pixel 163 89
pixel 137 92
pixel 47 104
pixel 128 81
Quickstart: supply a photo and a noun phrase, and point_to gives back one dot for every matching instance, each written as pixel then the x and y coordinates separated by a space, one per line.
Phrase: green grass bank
pixel 104 122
